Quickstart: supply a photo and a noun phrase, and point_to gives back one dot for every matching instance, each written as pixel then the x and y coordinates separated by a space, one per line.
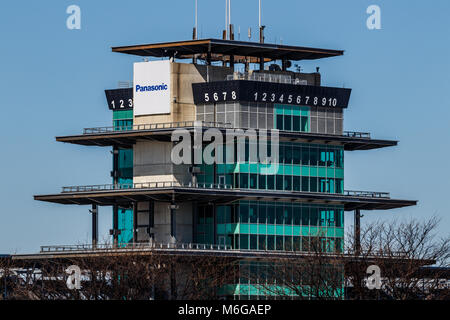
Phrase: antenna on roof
pixel 261 27
pixel 195 33
pixel 226 20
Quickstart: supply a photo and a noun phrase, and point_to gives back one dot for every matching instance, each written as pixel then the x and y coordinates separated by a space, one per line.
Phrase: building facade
pixel 238 203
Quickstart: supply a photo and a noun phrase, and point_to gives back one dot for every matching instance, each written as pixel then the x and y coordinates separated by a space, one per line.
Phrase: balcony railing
pixel 213 186
pixel 144 185
pixel 204 247
pixel 266 77
pixel 154 126
pixel 144 245
pixel 354 134
pixel 367 194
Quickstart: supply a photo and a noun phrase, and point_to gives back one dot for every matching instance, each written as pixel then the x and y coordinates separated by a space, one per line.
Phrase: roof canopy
pixel 186 49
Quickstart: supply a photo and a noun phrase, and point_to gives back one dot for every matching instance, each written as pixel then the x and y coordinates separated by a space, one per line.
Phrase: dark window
pixel 270 182
pixel 288 123
pixel 243 241
pixel 243 213
pixel 296 123
pixel 262 182
pixel 313 184
pixel 288 243
pixel 305 184
pixel 253 181
pixel 262 214
pixel 279 182
pixel 296 183
pixel 296 155
pixel 270 214
pixel 279 244
pixel 262 245
pixel 287 183
pixel 305 216
pixel 287 214
pixel 279 122
pixel 304 124
pixel 314 217
pixel 253 213
pixel 253 242
pixel 243 180
pixel 270 242
pixel 297 216
pixel 279 215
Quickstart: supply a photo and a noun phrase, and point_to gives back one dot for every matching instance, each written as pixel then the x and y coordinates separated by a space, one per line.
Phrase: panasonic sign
pixel 151 92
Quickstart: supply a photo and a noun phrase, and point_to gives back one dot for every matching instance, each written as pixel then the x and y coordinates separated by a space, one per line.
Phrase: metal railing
pixel 138 246
pixel 144 185
pixel 355 134
pixel 212 186
pixel 154 126
pixel 266 77
pixel 367 194
pixel 150 246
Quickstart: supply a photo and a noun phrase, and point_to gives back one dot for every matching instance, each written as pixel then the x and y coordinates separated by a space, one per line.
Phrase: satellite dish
pixel 274 67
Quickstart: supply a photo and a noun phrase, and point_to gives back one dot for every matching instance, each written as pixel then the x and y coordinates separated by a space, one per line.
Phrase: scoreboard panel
pixel 279 93
pixel 120 99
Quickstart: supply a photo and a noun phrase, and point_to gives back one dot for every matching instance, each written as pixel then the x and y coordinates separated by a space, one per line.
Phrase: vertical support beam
pixel 115 229
pixel 194 221
pixel 173 222
pixel 215 224
pixel 232 62
pixel 94 213
pixel 115 175
pixel 357 232
pixel 151 219
pixel 261 63
pixel 135 222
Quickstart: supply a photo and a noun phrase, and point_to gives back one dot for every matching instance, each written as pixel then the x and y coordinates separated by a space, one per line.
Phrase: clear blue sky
pixel 52 82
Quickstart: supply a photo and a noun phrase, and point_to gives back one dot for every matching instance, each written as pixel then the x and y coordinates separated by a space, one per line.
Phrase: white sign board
pixel 151 92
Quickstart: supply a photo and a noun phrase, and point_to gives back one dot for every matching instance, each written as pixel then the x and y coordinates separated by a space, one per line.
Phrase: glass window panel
pixel 262 242
pixel 243 213
pixel 288 123
pixel 279 215
pixel 262 214
pixel 243 241
pixel 262 182
pixel 270 242
pixel 279 182
pixel 253 242
pixel 296 123
pixel 287 214
pixel 296 183
pixel 271 182
pixel 270 214
pixel 287 185
pixel 253 213
pixel 280 122
pixel 253 181
pixel 279 242
pixel 296 215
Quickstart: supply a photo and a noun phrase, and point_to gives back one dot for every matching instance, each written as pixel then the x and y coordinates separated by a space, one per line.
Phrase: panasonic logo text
pixel 160 87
